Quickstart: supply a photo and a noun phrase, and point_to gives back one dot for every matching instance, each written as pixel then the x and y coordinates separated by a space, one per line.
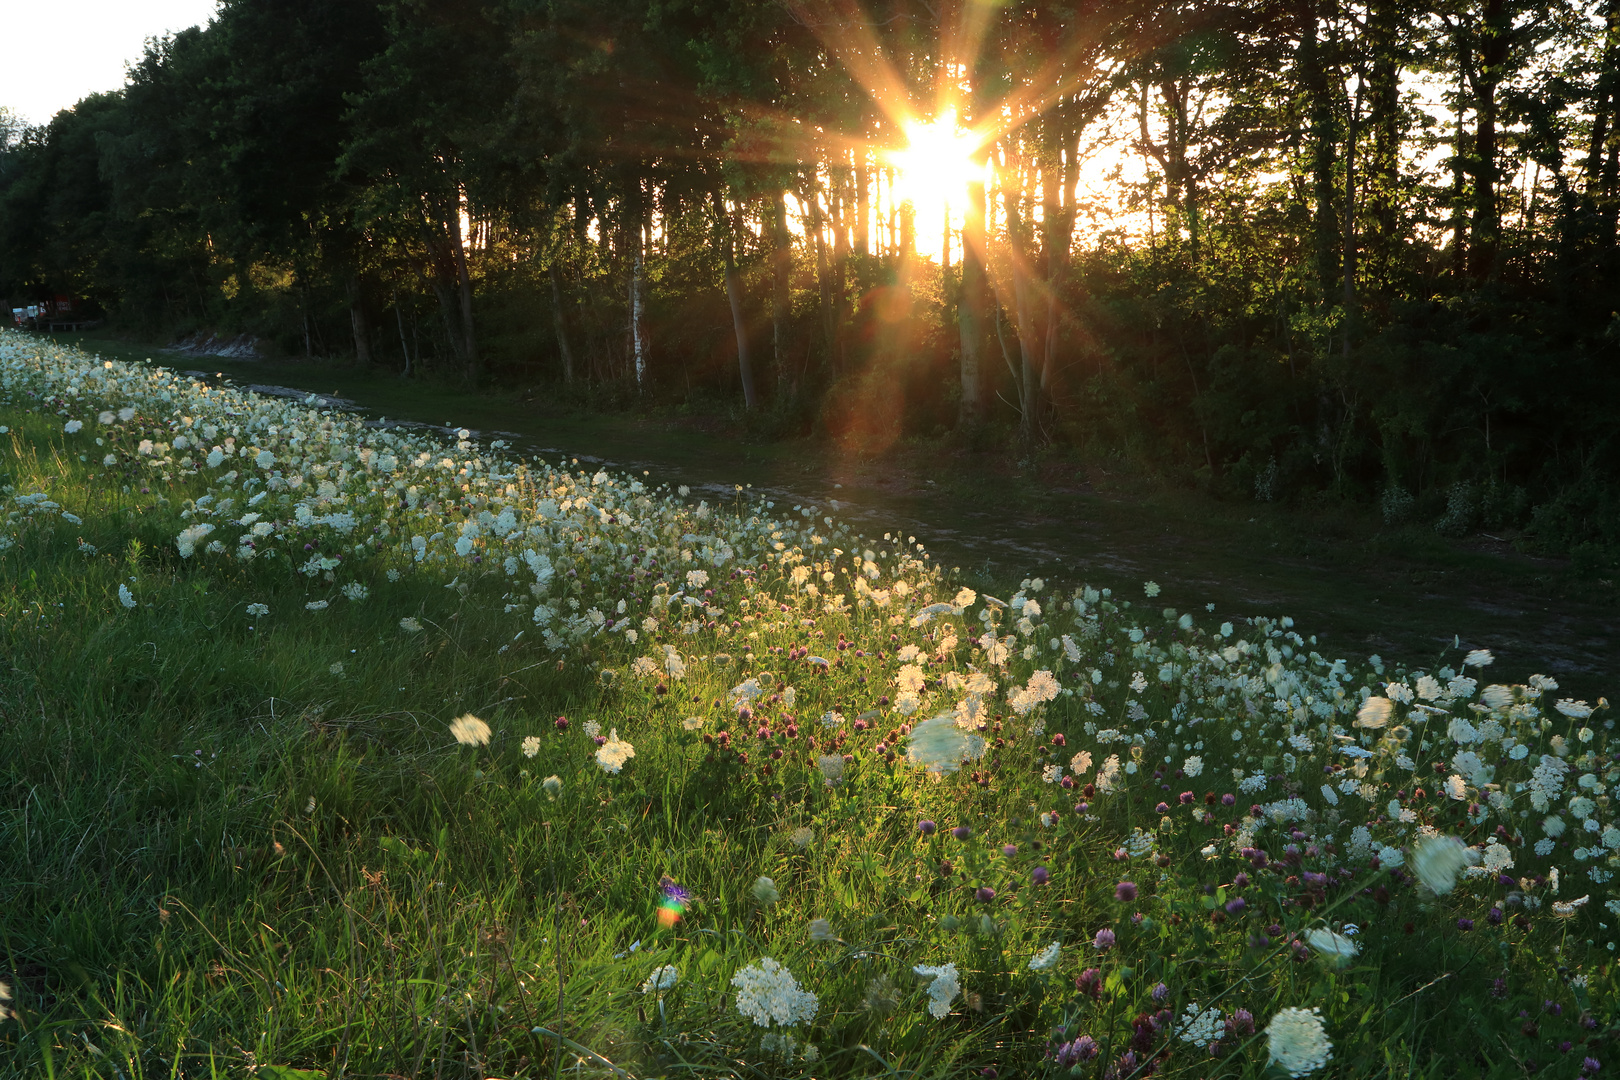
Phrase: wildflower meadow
pixel 336 749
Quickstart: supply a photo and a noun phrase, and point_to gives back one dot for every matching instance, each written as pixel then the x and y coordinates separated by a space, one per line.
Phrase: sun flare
pixel 932 172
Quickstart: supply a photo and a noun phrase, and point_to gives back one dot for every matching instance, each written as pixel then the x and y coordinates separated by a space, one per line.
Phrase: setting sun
pixel 932 173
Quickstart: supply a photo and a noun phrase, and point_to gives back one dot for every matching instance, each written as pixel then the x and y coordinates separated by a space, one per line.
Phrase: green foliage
pixel 1338 291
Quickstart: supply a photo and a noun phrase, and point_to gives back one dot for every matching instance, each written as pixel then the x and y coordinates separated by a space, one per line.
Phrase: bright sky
pixel 67 49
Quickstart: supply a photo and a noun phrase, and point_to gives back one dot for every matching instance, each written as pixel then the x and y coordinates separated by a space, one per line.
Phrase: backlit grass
pixel 236 840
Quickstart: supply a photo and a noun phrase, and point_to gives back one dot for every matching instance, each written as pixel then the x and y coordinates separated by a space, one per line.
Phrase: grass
pixel 224 855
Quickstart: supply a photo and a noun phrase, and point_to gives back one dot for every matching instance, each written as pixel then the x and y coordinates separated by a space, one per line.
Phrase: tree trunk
pixel 358 322
pixel 638 315
pixel 1382 175
pixel 474 369
pixel 1323 136
pixel 1350 219
pixel 972 310
pixel 1055 236
pixel 636 231
pixel 1064 162
pixel 824 284
pixel 839 211
pixel 1029 342
pixel 734 295
pixel 1486 227
pixel 781 291
pixel 404 345
pixel 1459 173
pixel 863 206
pixel 1602 186
pixel 559 324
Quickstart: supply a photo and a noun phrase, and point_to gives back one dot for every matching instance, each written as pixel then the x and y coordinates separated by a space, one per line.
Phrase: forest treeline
pixel 1354 250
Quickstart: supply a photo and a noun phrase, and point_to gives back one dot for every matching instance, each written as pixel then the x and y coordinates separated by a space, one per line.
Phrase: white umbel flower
pixel 1297 1041
pixel 1374 712
pixel 767 993
pixel 612 754
pixel 942 990
pixel 1201 1026
pixel 1047 958
pixel 1336 949
pixel 1437 860
pixel 469 730
pixel 661 979
pixel 126 597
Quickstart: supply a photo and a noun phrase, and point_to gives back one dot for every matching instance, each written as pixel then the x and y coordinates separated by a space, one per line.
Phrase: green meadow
pixel 332 750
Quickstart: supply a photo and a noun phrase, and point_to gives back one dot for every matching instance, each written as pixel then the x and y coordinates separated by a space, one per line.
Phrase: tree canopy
pixel 1363 249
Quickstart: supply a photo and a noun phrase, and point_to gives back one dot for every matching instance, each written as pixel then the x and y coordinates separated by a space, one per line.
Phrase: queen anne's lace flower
pixel 767 993
pixel 1047 958
pixel 1335 948
pixel 1297 1041
pixel 470 731
pixel 1200 1026
pixel 1437 860
pixel 1374 712
pixel 662 978
pixel 943 988
pixel 612 754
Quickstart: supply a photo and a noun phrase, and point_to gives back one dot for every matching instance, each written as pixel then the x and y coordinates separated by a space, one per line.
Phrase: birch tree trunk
pixel 638 320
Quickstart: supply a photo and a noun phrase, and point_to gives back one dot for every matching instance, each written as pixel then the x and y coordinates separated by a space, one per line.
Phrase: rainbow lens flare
pixel 673 903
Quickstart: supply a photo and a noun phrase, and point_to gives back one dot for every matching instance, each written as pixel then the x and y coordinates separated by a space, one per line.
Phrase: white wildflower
pixel 612 754
pixel 943 988
pixel 1046 959
pixel 662 978
pixel 1374 712
pixel 767 993
pixel 469 730
pixel 1337 949
pixel 1200 1026
pixel 1438 859
pixel 1297 1041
